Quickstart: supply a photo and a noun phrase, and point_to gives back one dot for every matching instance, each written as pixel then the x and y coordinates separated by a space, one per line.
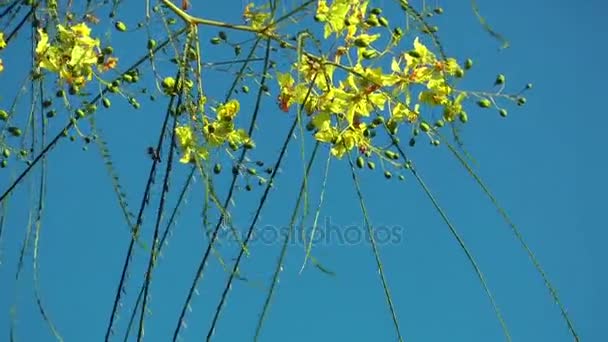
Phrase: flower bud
pixel 120 26
pixel 484 103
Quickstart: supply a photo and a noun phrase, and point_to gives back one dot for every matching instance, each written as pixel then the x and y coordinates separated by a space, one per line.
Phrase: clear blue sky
pixel 544 163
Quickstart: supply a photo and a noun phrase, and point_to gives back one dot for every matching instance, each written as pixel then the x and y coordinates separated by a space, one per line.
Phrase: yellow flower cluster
pixel 72 54
pixel 2 46
pixel 216 133
pixel 339 110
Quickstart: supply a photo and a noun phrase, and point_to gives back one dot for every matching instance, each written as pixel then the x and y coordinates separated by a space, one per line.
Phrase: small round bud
pixel 484 103
pixel 463 117
pixel 151 44
pixel 500 79
pixel 360 162
pixel 468 64
pixel 425 126
pixel 120 26
pixel 14 131
pixel 521 101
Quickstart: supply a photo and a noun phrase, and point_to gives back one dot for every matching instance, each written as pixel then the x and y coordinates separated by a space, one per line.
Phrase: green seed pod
pixel 435 142
pixel 171 21
pixel 484 103
pixel 222 35
pixel 391 154
pixel 360 162
pixel 412 142
pixel 108 50
pixel 416 132
pixel 459 73
pixel 245 89
pixel 503 112
pixel 310 126
pixel 80 114
pixel 369 54
pixel 398 32
pixel 371 165
pixel 14 131
pixel 91 108
pixel 521 101
pixel 127 78
pixel 252 171
pixel 151 44
pixel 106 102
pixel 237 50
pixel 500 79
pixel 376 11
pixel 529 86
pixel 216 40
pixel 217 168
pixel 401 177
pixel 4 164
pixel 414 53
pixel 51 114
pixel 6 153
pixel 269 170
pixel 383 21
pixel 372 21
pixel 265 88
pixel 438 10
pixel 60 93
pixel 379 120
pixel 463 117
pixel 388 175
pixel 468 64
pixel 425 127
pixel 120 26
pixel 73 90
pixel 248 187
pixel 47 103
pixel 233 146
pixel 440 123
pixel 430 29
pixel 360 42
pixel 3 115
pixel 249 145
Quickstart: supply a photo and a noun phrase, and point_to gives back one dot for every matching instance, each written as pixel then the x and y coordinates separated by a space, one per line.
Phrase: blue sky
pixel 543 162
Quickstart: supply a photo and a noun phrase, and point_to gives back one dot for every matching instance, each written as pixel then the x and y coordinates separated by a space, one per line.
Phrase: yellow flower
pixel 2 41
pixel 228 111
